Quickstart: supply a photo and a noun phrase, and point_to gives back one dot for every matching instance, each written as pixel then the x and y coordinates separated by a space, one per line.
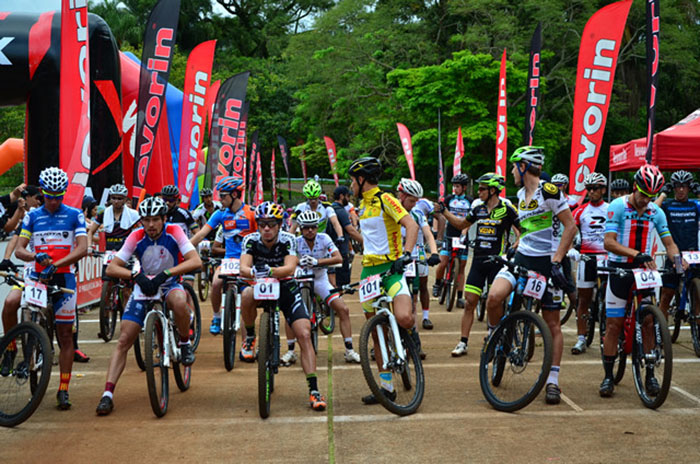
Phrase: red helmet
pixel 649 179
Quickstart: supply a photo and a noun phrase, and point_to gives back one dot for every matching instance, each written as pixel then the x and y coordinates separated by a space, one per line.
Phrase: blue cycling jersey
pixel 683 221
pixel 235 226
pixel 634 230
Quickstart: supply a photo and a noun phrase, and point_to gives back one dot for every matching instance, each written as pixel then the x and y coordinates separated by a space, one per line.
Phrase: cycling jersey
pixel 425 206
pixel 235 225
pixel 634 230
pixel 54 233
pixel 326 212
pixel 181 218
pixel 418 251
pixel 201 215
pixel 166 251
pixel 683 219
pixel 274 257
pixel 571 201
pixel 538 220
pixel 492 227
pixel 590 219
pixel 459 205
pixel 116 231
pixel 380 213
pixel 323 247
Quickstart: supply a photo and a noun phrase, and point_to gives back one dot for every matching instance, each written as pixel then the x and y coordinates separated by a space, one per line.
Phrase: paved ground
pixel 217 420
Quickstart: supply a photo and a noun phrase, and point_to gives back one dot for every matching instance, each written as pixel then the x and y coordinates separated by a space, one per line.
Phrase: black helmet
pixel 619 184
pixel 170 191
pixel 461 179
pixel 681 177
pixel 368 167
pixel 206 192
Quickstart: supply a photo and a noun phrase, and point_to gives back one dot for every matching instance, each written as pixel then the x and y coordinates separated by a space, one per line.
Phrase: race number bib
pixel 266 289
pixel 457 243
pixel 370 288
pixel 410 270
pixel 230 266
pixel 109 256
pixel 646 278
pixel 692 257
pixel 35 293
pixel 535 286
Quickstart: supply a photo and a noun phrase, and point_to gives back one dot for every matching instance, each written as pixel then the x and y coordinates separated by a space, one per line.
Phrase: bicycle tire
pixel 265 373
pixel 156 371
pixel 620 360
pixel 409 391
pixel 527 301
pixel 309 301
pixel 481 308
pixel 229 332
pixel 663 354
pixel 109 307
pixel 593 310
pixel 35 345
pixel 506 343
pixel 676 314
pixel 139 350
pixel 327 323
pixel 453 285
pixel 182 373
pixel 196 317
pixel 444 292
pixel 694 314
pixel 203 283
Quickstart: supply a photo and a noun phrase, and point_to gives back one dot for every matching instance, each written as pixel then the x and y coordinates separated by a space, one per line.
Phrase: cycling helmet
pixel 312 189
pixel 308 218
pixel 461 179
pixel 53 180
pixel 118 189
pixel 170 191
pixel 411 187
pixel 323 197
pixel 206 192
pixel 153 206
pixel 534 155
pixel 595 178
pixel 269 210
pixel 367 167
pixel 649 179
pixel 230 184
pixel 491 179
pixel 681 177
pixel 560 179
pixel 619 184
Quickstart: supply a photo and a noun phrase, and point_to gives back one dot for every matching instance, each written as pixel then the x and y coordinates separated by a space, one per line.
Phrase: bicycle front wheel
pixel 26 356
pixel 481 307
pixel 314 314
pixel 675 313
pixel 203 282
pixel 156 371
pixel 109 307
pixel 265 373
pixel 509 378
pixel 453 284
pixel 398 384
pixel 652 358
pixel 230 328
pixel 694 317
pixel 195 317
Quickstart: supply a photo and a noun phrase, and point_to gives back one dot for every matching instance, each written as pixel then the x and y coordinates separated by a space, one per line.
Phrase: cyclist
pixel 683 216
pixel 459 205
pixel 410 193
pixel 341 276
pixel 117 219
pixel 494 218
pixel 163 252
pixel 237 220
pixel 540 205
pixel 57 234
pixel 562 183
pixel 628 240
pixel 317 250
pixel 381 217
pixel 270 252
pixel 205 209
pixel 619 187
pixel 312 192
pixel 425 207
pixel 590 218
pixel 177 215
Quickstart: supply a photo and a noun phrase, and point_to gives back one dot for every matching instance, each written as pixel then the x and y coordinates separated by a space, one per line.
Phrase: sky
pixel 47 5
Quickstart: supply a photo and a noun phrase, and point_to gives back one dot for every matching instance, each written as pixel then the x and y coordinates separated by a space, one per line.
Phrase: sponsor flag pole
pixel 502 123
pixel 303 164
pixel 652 39
pixel 533 86
pixel 330 147
pixel 405 137
pixel 274 178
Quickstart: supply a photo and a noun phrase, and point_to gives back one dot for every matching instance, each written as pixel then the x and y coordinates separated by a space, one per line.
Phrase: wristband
pixel 168 273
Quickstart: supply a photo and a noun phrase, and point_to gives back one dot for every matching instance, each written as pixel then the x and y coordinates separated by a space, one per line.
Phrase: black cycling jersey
pixel 492 228
pixel 114 239
pixel 182 218
pixel 459 205
pixel 683 220
pixel 274 257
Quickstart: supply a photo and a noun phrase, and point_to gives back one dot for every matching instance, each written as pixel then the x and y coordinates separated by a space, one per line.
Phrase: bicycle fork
pixel 394 327
pixel 275 340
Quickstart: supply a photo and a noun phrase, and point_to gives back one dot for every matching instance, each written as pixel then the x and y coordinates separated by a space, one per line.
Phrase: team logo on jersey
pixel 550 188
pixel 610 214
pixel 529 207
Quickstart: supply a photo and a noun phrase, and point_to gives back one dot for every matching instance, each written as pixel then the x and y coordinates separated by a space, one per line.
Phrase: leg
pixel 248 314
pixel 9 310
pixel 459 284
pixel 302 332
pixel 217 287
pixel 290 357
pixel 665 300
pixel 585 295
pixel 501 288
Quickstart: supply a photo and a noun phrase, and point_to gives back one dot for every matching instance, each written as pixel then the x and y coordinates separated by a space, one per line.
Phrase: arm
pixel 567 237
pixel 429 239
pixel 613 246
pixel 91 233
pixel 16 194
pixel 246 265
pixel 21 251
pixel 456 221
pixel 336 226
pixel 11 245
pixel 411 232
pixel 199 236
pixel 191 263
pixel 11 224
pixel 335 258
pixel 288 268
pixel 218 249
pixel 352 232
pixel 117 269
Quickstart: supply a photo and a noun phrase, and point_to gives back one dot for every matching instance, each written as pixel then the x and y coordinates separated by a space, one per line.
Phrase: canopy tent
pixel 677 147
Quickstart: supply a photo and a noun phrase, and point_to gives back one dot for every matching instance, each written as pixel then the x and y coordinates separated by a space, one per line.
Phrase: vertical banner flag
pixel 254 150
pixel 194 115
pixel 303 164
pixel 242 142
pixel 405 137
pixel 158 46
pixel 653 27
pixel 597 58
pixel 284 151
pixel 74 106
pixel 533 86
pixel 274 177
pixel 502 123
pixel 225 154
pixel 211 100
pixel 459 154
pixel 441 178
pixel 259 192
pixel 330 147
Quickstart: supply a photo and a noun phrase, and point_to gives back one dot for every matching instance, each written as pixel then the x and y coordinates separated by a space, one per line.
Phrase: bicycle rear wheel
pixel 675 313
pixel 481 307
pixel 569 308
pixel 203 282
pixel 24 384
pixel 109 307
pixel 694 314
pixel 156 371
pixel 653 357
pixel 407 379
pixel 314 314
pixel 230 328
pixel 508 380
pixel 265 373
pixel 195 317
pixel 453 284
pixel 327 322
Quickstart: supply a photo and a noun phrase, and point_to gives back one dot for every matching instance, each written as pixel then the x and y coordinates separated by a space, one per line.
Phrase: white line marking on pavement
pixel 682 392
pixel 573 405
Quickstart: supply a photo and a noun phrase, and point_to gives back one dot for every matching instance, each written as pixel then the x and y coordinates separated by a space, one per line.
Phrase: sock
pixel 348 343
pixel 459 295
pixel 582 338
pixel 438 282
pixel 65 380
pixel 217 314
pixel 385 381
pixel 250 331
pixel 553 375
pixel 425 314
pixel 290 344
pixel 109 389
pixel 312 381
pixel 608 364
pixel 108 394
pixel 464 340
pixel 184 340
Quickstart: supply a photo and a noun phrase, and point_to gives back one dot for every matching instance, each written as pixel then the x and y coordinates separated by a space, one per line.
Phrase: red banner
pixel 259 192
pixel 254 153
pixel 405 137
pixel 194 113
pixel 533 85
pixel 74 110
pixel 330 147
pixel 459 154
pixel 210 100
pixel 597 58
pixel 653 26
pixel 502 123
pixel 274 177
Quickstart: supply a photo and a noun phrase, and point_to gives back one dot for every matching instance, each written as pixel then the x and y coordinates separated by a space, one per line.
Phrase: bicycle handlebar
pixel 16 280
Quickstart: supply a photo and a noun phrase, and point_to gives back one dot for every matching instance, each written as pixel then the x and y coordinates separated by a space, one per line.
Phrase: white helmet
pixel 308 218
pixel 560 179
pixel 118 189
pixel 153 206
pixel 53 180
pixel 595 178
pixel 411 187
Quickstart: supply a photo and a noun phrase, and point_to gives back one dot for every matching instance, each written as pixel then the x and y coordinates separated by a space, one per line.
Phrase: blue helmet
pixel 230 184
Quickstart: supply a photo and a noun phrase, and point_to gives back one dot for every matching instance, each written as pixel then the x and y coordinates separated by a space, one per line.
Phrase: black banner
pixel 158 48
pixel 653 26
pixel 284 151
pixel 533 86
pixel 254 153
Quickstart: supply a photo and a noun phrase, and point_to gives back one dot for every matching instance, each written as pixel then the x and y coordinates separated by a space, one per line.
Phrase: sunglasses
pixel 118 198
pixel 267 224
pixel 53 195
pixel 648 195
pixel 593 188
pixel 481 189
pixel 170 199
pixel 309 227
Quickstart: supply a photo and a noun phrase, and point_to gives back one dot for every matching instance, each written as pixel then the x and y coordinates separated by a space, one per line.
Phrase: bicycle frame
pixel 169 343
pixel 381 306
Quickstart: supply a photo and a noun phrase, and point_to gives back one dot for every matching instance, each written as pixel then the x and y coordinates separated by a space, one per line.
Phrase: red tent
pixel 677 147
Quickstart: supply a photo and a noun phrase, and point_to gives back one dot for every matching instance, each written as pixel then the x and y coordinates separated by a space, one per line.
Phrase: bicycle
pixel 206 275
pixel 231 307
pixel 505 380
pixel 447 291
pixel 112 299
pixel 642 319
pixel 322 316
pixel 394 349
pixel 596 308
pixel 267 292
pixel 686 304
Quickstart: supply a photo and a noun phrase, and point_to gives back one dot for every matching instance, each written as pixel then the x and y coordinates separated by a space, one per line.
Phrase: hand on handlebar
pixel 643 260
pixel 47 273
pixel 434 259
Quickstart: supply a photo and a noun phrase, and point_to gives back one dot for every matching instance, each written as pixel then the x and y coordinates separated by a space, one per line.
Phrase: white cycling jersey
pixel 323 247
pixel 591 219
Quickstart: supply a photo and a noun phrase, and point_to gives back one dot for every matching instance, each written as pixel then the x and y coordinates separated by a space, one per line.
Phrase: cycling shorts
pixel 618 291
pixel 64 303
pixel 463 254
pixel 540 264
pixel 290 302
pixel 587 273
pixel 322 289
pixel 135 310
pixel 393 284
pixel 480 273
